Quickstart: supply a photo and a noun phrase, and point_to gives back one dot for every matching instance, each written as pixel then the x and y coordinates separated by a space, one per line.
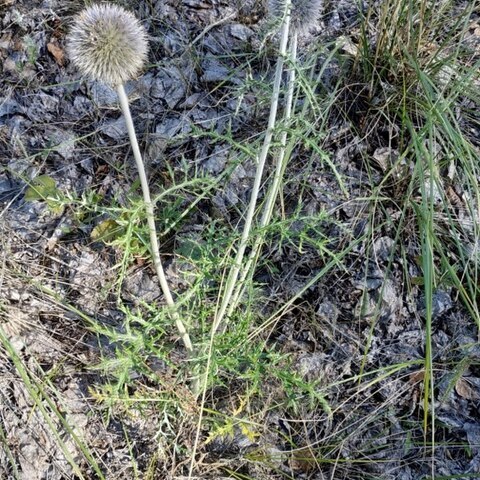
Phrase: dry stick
pixel 233 275
pixel 155 250
pixel 274 188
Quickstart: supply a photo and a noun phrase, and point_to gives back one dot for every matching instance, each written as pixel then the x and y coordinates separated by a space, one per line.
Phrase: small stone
pixel 192 100
pixel 205 118
pixel 239 31
pixel 82 105
pixel 170 86
pixel 9 65
pixel 217 161
pixel 441 302
pixel 382 248
pixel 385 157
pixel 328 312
pixel 473 435
pixel 103 95
pixel 8 107
pixel 115 129
pixel 214 71
pixel 7 188
pixel 139 287
pixel 390 296
pixel 173 126
pixel 311 366
pixel 42 106
pixel 17 342
pixel 63 143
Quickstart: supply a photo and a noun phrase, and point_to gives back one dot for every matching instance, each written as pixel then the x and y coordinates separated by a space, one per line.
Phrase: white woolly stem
pixel 280 165
pixel 154 247
pixel 233 274
pixel 275 187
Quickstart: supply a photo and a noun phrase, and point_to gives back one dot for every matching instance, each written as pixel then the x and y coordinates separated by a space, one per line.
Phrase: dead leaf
pixel 385 157
pixel 5 41
pixel 465 390
pixel 347 46
pixel 303 459
pixel 57 52
pixel 416 377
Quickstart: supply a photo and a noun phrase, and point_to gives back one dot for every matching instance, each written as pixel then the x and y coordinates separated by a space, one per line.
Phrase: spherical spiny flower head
pixel 304 13
pixel 107 43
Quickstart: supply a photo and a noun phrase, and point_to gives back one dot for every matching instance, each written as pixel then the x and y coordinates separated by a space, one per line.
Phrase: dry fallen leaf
pixel 303 459
pixel 465 390
pixel 347 45
pixel 416 377
pixel 57 52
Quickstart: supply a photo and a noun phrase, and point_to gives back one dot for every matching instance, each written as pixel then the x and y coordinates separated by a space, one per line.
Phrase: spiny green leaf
pixel 42 188
pixel 106 231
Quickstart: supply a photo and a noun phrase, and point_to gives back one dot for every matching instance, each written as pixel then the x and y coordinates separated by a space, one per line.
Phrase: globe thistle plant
pixel 294 16
pixel 231 282
pixel 108 44
pixel 304 13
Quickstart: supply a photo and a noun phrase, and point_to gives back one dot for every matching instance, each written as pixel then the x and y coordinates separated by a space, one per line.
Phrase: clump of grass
pixel 420 74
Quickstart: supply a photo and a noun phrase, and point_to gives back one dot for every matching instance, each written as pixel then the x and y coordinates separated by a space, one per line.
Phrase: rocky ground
pixel 51 272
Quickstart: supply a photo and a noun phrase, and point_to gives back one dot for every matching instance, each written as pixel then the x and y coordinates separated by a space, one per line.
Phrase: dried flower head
pixel 304 13
pixel 107 43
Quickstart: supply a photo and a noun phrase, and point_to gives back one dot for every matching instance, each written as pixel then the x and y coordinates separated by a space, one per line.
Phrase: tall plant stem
pixel 155 250
pixel 277 179
pixel 234 272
